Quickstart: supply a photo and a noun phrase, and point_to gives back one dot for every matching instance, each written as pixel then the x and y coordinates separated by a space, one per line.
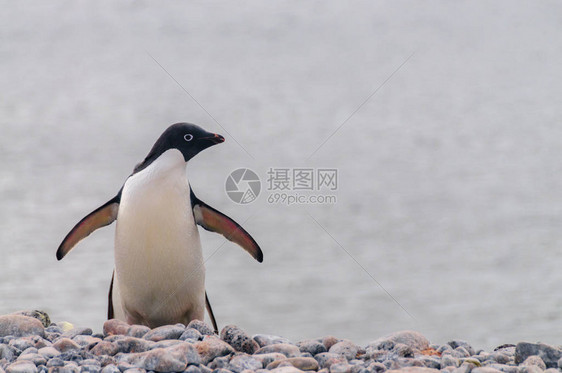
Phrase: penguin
pixel 159 274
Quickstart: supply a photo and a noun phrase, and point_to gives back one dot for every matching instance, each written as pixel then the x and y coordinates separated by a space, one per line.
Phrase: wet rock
pixel 66 344
pixel 172 359
pixel 288 350
pixel 211 347
pixel 164 332
pixel 345 348
pixel 327 359
pixel 549 354
pixel 20 326
pixel 191 334
pixel 302 363
pixel 267 359
pixel 242 362
pixel 311 346
pixel 414 340
pixel 534 361
pixel 266 339
pixel 238 339
pixel 22 366
pixel 115 327
pixel 201 327
pixel 137 331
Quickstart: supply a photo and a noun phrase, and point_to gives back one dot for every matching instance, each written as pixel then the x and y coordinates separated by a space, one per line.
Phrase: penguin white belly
pixel 159 269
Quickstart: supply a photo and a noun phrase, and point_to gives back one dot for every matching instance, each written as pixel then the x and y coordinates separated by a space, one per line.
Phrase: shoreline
pixel 30 343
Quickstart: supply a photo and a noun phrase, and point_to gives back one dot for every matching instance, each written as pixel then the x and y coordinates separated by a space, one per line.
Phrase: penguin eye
pixel 188 137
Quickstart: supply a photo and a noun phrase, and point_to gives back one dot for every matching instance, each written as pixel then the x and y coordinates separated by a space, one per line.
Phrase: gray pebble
pixel 219 362
pixel 534 361
pixel 242 362
pixel 90 369
pixel 191 334
pixel 48 352
pixel 340 368
pixel 327 359
pixel 238 339
pixel 346 348
pixel 22 366
pixel 449 361
pixel 201 327
pixel 137 331
pixel 192 369
pixel 20 326
pixel 460 352
pixel 34 358
pixel 530 369
pixel 288 350
pixel 549 354
pixel 110 369
pixel 7 352
pixel 77 331
pixel 376 367
pixel 90 362
pixel 55 362
pixel 459 343
pixel 500 357
pixel 266 340
pixel 311 346
pixel 414 340
pixel 164 332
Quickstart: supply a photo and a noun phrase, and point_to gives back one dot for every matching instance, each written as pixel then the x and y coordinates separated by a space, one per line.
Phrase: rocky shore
pixel 30 343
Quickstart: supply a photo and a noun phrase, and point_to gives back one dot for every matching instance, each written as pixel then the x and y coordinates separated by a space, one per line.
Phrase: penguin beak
pixel 214 139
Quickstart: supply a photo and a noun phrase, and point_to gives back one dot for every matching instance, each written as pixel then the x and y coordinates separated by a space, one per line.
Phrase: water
pixel 449 176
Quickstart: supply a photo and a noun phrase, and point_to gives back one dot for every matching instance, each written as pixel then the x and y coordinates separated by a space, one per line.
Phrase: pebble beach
pixel 31 343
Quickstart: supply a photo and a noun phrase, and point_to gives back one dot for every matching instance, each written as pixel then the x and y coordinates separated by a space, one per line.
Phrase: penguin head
pixel 188 138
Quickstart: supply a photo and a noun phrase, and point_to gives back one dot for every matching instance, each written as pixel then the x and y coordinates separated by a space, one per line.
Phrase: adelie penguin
pixel 159 275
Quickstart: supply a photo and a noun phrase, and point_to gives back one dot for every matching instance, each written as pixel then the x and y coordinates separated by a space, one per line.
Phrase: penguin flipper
pixel 215 221
pixel 100 217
